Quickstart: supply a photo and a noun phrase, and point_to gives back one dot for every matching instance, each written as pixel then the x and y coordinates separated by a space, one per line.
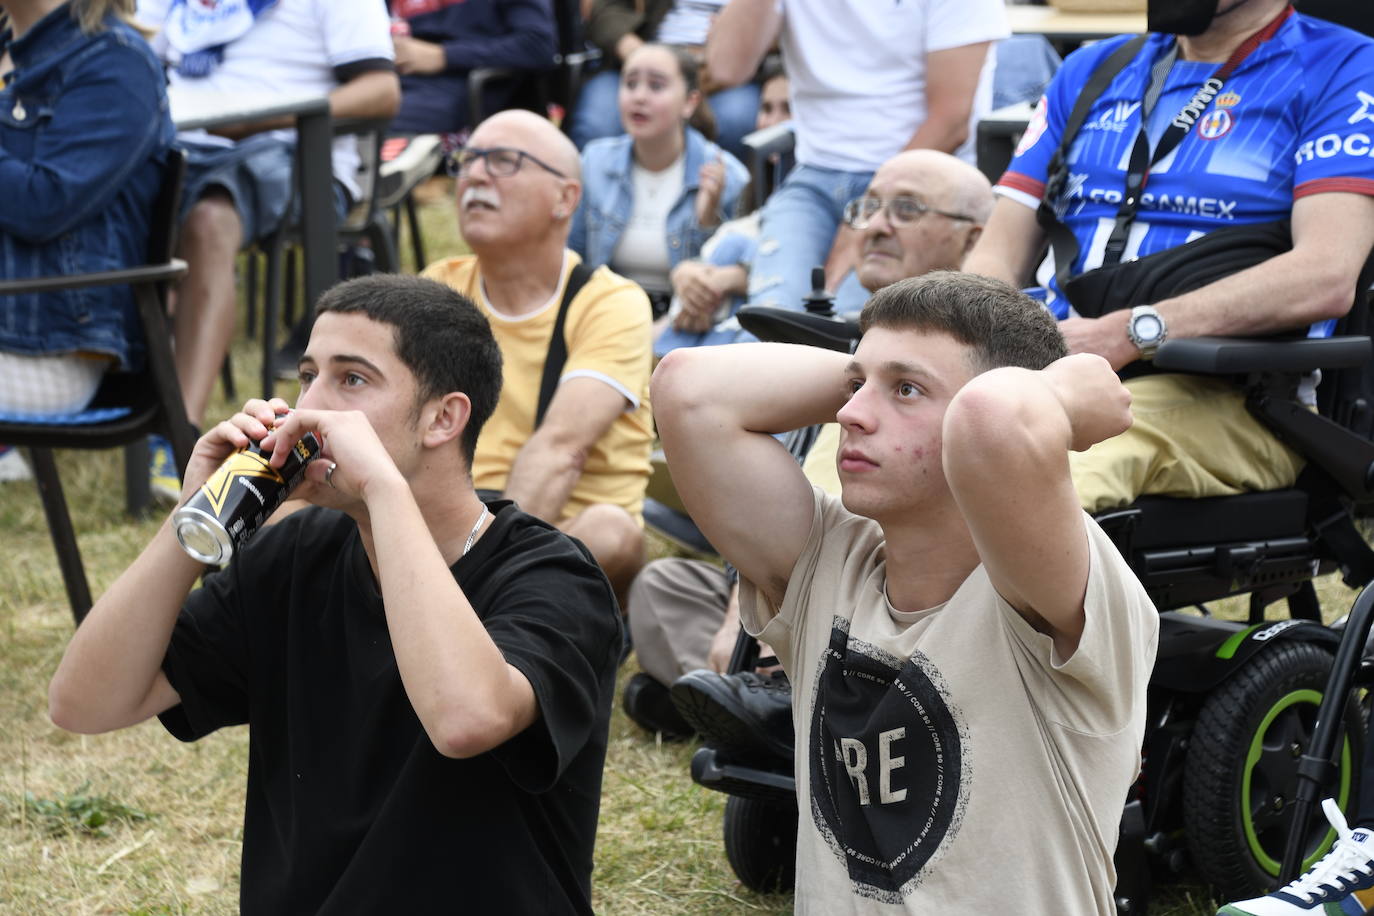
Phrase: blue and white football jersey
pixel 1295 118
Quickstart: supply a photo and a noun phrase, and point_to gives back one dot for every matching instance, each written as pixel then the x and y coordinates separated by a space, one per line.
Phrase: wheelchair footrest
pixel 711 770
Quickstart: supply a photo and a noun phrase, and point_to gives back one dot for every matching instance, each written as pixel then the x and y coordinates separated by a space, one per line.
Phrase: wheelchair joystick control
pixel 819 301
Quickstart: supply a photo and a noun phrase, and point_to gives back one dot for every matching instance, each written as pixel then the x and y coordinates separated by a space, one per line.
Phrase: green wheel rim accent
pixel 1261 856
pixel 1228 649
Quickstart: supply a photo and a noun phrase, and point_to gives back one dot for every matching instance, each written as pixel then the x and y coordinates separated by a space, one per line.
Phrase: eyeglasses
pixel 501 162
pixel 901 211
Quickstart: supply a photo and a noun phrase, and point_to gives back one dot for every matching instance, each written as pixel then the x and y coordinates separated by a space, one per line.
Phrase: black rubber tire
pixel 1214 812
pixel 761 843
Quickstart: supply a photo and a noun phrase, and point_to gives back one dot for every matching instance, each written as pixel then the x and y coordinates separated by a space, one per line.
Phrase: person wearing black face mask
pixel 1214 177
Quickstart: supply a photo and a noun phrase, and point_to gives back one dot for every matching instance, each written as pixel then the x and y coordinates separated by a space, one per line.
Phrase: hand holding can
pixel 238 498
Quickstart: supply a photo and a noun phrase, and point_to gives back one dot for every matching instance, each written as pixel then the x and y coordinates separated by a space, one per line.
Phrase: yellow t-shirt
pixel 610 338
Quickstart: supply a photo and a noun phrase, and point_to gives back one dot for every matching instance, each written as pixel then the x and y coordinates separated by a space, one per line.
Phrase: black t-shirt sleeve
pixel 345 72
pixel 208 658
pixel 558 624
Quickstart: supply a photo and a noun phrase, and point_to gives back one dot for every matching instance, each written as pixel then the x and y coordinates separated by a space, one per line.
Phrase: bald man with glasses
pixel 571 435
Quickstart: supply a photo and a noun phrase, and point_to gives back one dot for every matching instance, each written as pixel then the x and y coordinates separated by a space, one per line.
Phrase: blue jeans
pixel 598 112
pixel 1025 66
pixel 799 224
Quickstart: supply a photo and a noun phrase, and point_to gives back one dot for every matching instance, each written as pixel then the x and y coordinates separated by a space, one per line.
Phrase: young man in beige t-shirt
pixel 969 653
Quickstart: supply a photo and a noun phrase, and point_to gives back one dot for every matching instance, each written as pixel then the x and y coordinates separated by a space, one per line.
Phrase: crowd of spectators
pixel 629 233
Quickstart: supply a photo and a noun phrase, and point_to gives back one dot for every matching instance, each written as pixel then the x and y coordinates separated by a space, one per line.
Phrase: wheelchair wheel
pixel 1241 772
pixel 761 843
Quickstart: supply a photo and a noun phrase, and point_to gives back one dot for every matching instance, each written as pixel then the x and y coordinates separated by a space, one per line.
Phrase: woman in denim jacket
pixel 651 198
pixel 84 133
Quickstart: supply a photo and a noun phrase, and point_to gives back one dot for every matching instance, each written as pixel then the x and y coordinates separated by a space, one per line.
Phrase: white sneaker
pixel 1327 888
pixel 12 466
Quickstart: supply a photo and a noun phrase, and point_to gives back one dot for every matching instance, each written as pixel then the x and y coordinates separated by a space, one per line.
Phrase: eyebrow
pixel 890 367
pixel 347 359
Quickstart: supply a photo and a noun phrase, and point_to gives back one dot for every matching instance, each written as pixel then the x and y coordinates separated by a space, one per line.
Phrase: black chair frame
pixel 152 394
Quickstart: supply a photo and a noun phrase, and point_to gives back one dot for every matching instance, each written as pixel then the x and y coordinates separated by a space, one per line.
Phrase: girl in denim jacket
pixel 84 131
pixel 652 197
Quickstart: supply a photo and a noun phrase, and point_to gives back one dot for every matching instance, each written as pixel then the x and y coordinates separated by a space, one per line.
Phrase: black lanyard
pixel 1142 160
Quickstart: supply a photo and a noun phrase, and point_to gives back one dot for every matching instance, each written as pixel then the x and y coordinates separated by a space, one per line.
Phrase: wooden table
pixel 1071 28
pixel 314 169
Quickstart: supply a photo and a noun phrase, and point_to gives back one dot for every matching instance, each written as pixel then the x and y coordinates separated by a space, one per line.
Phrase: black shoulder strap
pixel 1061 238
pixel 558 343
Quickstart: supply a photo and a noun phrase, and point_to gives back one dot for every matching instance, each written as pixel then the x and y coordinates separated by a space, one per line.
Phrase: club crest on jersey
pixel 1215 124
pixel 1228 100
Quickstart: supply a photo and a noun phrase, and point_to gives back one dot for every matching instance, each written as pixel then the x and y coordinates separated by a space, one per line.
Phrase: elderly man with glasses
pixel 571 435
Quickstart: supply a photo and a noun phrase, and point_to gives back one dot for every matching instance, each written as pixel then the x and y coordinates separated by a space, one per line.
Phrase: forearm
pixel 1009 246
pixel 467 697
pixel 611 20
pixel 739 39
pixel 770 388
pixel 543 475
pixel 945 133
pixel 373 95
pixel 1286 292
pixel 529 43
pixel 112 663
pixel 844 256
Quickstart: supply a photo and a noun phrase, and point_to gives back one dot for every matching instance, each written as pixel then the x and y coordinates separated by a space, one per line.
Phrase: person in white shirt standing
pixel 238 181
pixel 868 80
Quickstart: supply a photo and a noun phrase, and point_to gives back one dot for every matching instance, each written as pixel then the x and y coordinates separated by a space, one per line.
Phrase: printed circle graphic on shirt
pixel 1215 124
pixel 1035 128
pixel 889 781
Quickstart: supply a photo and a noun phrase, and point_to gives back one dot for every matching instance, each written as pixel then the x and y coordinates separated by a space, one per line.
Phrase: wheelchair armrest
pixel 1236 356
pixel 780 138
pixel 154 273
pixel 480 78
pixel 787 326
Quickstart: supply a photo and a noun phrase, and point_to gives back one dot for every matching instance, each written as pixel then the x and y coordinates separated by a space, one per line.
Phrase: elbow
pixel 468 736
pixel 389 96
pixel 990 416
pixel 67 709
pixel 1335 300
pixel 727 69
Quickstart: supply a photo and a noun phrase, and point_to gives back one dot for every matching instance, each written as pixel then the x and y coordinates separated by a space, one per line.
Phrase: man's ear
pixel 972 239
pixel 568 197
pixel 446 418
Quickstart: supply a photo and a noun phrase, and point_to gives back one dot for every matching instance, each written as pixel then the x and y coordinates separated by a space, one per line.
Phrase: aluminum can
pixel 234 502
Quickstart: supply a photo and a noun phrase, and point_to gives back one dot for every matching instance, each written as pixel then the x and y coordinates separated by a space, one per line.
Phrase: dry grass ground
pixel 138 823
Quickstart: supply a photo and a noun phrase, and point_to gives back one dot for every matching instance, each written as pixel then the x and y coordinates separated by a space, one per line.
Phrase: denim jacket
pixel 84 133
pixel 608 198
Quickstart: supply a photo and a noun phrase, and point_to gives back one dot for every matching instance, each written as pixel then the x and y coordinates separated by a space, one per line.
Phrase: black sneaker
pixel 649 706
pixel 746 716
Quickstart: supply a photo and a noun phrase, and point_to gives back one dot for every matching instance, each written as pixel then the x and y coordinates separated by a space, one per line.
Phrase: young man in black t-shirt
pixel 426 678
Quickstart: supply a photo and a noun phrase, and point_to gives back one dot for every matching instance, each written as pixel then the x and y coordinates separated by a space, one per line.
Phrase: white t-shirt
pixel 947 760
pixel 857 71
pixel 688 22
pixel 641 254
pixel 292 48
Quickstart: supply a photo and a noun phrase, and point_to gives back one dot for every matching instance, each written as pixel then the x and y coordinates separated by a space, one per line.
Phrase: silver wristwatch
pixel 1146 330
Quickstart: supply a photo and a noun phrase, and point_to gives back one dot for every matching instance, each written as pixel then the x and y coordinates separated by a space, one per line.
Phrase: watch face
pixel 1147 328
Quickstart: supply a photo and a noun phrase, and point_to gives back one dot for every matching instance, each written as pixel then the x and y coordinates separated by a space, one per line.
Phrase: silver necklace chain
pixel 472 535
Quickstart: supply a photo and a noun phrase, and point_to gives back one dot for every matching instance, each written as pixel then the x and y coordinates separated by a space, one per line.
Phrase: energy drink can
pixel 234 502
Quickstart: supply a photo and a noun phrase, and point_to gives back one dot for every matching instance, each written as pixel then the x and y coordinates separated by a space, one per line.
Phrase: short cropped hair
pixel 1001 325
pixel 439 335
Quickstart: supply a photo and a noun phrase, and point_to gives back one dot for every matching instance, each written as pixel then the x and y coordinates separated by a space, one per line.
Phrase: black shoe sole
pixel 720 727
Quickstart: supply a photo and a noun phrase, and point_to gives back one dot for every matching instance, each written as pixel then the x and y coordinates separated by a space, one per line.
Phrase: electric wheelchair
pixel 1229 769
